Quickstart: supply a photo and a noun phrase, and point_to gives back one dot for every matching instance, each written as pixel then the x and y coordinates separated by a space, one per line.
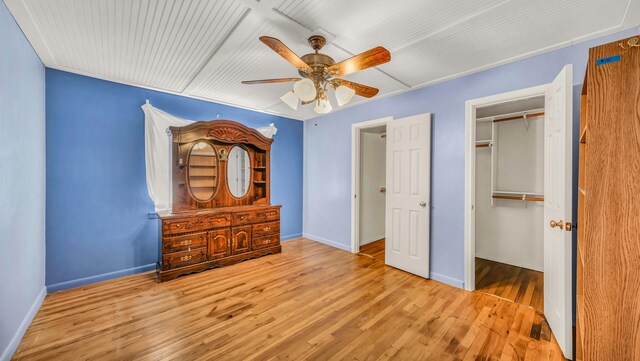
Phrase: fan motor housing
pixel 317 60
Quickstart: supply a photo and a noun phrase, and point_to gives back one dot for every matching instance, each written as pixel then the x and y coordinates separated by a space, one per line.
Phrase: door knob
pixel 555 224
pixel 423 204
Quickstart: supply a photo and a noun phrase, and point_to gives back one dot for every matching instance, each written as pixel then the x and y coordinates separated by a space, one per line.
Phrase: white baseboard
pixel 290 237
pixel 99 278
pixel 446 279
pixel 374 239
pixel 506 261
pixel 11 348
pixel 346 247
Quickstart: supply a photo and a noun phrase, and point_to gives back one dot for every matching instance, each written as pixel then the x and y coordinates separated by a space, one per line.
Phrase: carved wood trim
pixel 226 131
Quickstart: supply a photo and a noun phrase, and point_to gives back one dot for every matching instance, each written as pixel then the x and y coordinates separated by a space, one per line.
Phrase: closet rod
pixel 523 116
pixel 532 113
pixel 534 199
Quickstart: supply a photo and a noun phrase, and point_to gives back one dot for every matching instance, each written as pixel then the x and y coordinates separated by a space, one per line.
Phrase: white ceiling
pixel 205 48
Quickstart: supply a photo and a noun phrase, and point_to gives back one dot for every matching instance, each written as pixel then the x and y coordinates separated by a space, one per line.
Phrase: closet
pixel 608 252
pixel 510 182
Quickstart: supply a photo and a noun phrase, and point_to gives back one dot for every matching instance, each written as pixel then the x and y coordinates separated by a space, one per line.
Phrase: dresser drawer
pixel 195 224
pixel 266 229
pixel 266 242
pixel 184 243
pixel 181 259
pixel 270 214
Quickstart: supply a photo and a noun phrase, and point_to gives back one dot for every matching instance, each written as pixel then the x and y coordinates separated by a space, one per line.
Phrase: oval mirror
pixel 203 171
pixel 238 171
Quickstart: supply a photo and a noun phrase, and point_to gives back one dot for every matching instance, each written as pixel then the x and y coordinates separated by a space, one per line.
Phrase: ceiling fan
pixel 320 72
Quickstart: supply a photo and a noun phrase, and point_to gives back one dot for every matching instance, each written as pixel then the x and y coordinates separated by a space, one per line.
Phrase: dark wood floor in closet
pixel 374 249
pixel 520 285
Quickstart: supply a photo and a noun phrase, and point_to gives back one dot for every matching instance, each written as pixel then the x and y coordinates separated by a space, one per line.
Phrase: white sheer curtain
pixel 157 152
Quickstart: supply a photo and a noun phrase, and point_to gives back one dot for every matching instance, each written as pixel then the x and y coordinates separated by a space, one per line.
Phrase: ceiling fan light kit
pixel 344 94
pixel 323 106
pixel 320 72
pixel 305 89
pixel 290 99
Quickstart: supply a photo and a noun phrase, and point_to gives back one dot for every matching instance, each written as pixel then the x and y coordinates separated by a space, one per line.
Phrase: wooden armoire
pixel 608 254
pixel 221 212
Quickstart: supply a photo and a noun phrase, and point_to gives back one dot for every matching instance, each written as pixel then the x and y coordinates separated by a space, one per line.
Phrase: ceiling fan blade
pixel 279 47
pixel 264 81
pixel 368 59
pixel 361 90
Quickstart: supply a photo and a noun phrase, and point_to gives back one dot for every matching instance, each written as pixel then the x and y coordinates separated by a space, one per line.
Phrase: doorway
pixel 407 191
pixel 509 182
pixel 373 147
pixel 509 196
pixel 369 188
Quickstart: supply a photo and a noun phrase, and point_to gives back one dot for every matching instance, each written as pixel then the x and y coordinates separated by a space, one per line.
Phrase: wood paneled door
pixel 219 243
pixel 557 208
pixel 241 239
pixel 408 191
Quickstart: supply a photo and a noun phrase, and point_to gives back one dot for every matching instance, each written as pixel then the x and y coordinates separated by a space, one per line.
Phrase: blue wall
pixel 22 183
pixel 327 146
pixel 97 200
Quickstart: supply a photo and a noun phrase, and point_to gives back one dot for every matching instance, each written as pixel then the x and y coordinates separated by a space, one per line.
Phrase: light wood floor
pixel 515 283
pixel 374 249
pixel 310 302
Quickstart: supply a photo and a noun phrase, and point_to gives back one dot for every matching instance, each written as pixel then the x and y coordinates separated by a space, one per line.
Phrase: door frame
pixel 356 129
pixel 470 171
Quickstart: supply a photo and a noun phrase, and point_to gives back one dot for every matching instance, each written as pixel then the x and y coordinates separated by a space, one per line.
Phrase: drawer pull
pixel 266 229
pixel 267 241
pixel 186 242
pixel 185 258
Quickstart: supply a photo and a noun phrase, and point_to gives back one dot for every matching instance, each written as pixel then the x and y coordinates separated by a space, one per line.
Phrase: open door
pixel 408 194
pixel 557 209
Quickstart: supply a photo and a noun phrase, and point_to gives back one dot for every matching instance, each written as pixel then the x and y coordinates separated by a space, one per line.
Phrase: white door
pixel 408 193
pixel 557 208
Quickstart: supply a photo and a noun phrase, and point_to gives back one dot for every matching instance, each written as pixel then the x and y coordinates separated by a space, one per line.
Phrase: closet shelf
pixel 518 196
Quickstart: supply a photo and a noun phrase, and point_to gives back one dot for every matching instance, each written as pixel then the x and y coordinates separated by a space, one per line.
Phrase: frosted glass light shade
pixel 290 99
pixel 323 106
pixel 344 94
pixel 305 90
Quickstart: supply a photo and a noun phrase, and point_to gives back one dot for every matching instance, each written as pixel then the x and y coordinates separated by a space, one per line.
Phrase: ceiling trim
pixel 208 100
pixel 265 9
pixel 216 49
pixel 451 26
pixel 578 40
pixel 351 54
pixel 28 26
pixel 632 15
